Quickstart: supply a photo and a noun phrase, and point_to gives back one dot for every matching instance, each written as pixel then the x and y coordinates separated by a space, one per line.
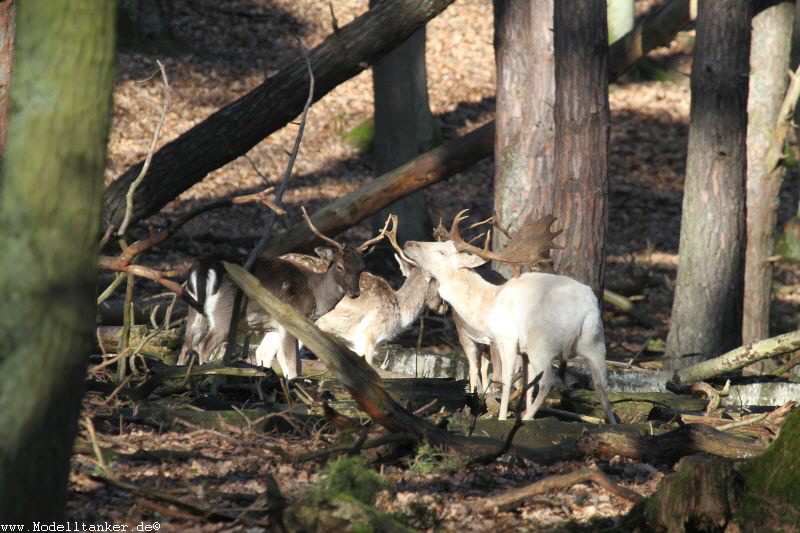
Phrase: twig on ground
pixel 512 498
pixel 123 227
pixel 95 445
pixel 391 438
pixel 708 390
pixel 197 510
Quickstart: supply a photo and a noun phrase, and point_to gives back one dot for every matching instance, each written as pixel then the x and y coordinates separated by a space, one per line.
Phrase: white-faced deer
pixel 542 317
pixel 380 313
pixel 310 293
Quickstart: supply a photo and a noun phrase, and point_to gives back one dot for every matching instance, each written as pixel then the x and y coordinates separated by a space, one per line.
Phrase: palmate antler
pixel 525 248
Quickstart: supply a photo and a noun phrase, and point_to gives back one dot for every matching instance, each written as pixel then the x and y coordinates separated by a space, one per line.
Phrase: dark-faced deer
pixel 380 313
pixel 540 317
pixel 310 293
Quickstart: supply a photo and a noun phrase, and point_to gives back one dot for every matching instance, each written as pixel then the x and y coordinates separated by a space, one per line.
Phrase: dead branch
pixel 739 358
pixel 512 498
pixel 391 438
pixel 123 227
pixel 197 510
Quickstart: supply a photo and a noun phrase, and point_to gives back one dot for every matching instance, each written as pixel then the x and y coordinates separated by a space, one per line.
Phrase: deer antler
pixel 366 244
pixel 391 234
pixel 318 233
pixel 525 248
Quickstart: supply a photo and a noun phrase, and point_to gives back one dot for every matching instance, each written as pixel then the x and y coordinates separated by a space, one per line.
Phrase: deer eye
pixel 440 252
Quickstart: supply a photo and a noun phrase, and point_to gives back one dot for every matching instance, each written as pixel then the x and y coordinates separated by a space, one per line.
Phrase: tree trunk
pixel 49 221
pixel 237 127
pixel 710 494
pixel 582 125
pixel 620 18
pixel 404 128
pixel 706 313
pixel 524 148
pixel 769 61
pixel 552 126
pixel 7 23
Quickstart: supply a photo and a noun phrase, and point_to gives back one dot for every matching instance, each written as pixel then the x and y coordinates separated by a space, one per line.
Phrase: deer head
pixel 345 261
pixel 526 248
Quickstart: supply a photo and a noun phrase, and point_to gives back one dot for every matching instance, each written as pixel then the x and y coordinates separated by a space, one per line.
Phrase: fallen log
pixel 739 358
pixel 236 128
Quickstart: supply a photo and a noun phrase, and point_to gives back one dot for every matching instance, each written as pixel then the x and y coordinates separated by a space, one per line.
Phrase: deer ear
pixel 324 252
pixel 470 260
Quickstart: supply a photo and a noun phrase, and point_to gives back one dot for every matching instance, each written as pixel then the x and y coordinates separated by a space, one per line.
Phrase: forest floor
pixel 224 49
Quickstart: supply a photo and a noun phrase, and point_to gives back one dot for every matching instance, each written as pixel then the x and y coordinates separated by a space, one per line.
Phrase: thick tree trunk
pixel 706 313
pixel 552 125
pixel 769 60
pixel 524 149
pixel 7 23
pixel 711 494
pixel 240 125
pixel 49 221
pixel 582 126
pixel 404 128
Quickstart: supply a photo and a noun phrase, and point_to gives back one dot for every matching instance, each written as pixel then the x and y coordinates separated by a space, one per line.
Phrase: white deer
pixel 539 317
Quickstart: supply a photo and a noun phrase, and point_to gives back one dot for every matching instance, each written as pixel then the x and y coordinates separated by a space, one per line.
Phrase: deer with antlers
pixel 311 293
pixel 380 313
pixel 537 316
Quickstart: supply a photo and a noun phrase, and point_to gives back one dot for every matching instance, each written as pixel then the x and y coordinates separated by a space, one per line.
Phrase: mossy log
pixel 161 346
pixel 552 441
pixel 712 494
pixel 630 407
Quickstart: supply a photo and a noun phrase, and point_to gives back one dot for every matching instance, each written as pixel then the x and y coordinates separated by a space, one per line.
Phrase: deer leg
pixel 537 364
pixel 508 357
pixel 595 360
pixel 195 329
pixel 287 355
pixel 268 349
pixel 485 383
pixel 497 365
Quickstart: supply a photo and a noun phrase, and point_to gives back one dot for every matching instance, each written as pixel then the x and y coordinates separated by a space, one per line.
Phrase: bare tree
pixel 7 23
pixel 769 61
pixel 49 223
pixel 706 313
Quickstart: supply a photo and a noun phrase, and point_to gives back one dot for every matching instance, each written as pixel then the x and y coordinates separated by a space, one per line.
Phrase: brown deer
pixel 538 316
pixel 311 293
pixel 379 314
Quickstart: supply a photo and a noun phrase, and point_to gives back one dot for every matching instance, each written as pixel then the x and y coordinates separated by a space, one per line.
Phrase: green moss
pixel 352 477
pixel 362 135
pixel 773 480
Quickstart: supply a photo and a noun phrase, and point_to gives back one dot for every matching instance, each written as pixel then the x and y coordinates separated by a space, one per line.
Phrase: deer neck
pixel 470 296
pixel 327 292
pixel 411 296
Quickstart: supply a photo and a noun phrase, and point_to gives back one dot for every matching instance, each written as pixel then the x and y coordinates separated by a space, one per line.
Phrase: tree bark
pixel 524 148
pixel 7 24
pixel 552 126
pixel 706 313
pixel 240 125
pixel 710 494
pixel 49 221
pixel 769 60
pixel 582 127
pixel 404 128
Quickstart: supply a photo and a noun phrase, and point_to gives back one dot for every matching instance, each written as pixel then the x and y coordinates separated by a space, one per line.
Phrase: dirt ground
pixel 225 49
